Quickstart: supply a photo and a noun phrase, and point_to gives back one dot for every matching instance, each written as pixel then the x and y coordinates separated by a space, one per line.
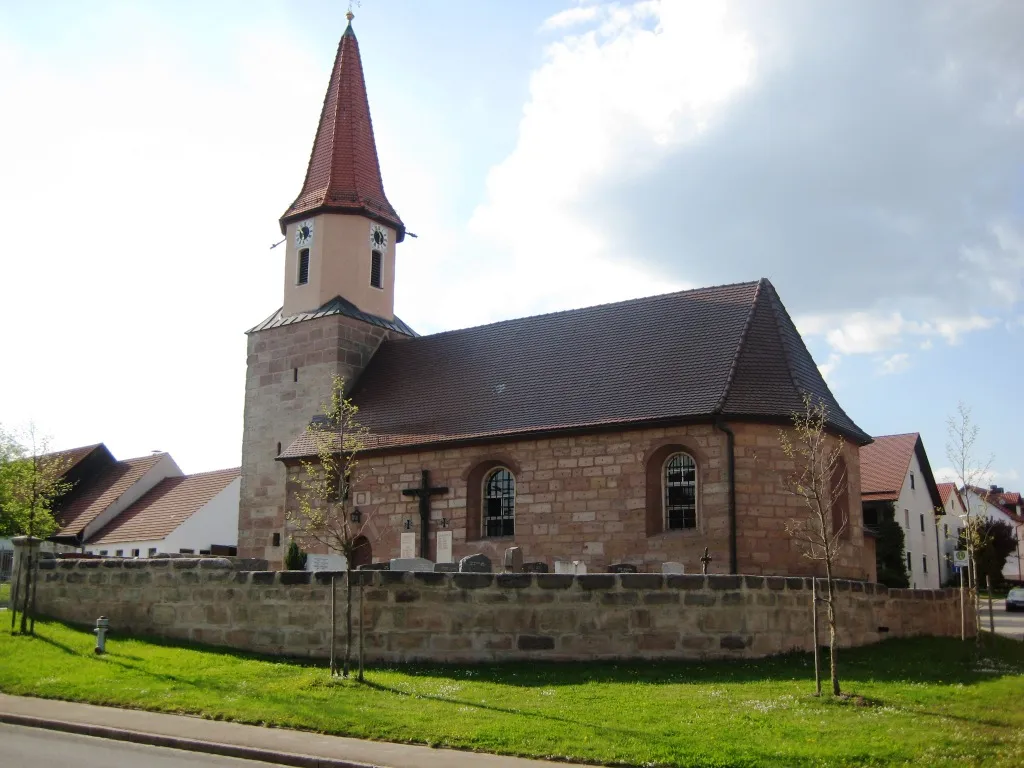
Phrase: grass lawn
pixel 923 701
pixel 5 592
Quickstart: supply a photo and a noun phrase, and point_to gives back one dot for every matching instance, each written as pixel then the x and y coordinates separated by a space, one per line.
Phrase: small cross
pixel 704 561
pixel 423 493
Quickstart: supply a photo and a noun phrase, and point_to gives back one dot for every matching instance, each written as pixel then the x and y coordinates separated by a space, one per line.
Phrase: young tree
pixel 970 471
pixel 326 512
pixel 890 551
pixel 995 540
pixel 31 482
pixel 819 480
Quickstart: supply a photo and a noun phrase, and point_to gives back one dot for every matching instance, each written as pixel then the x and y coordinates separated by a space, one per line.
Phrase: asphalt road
pixel 1009 624
pixel 38 748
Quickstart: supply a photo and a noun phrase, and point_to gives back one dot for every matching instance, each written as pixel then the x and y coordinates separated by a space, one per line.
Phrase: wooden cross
pixel 423 493
pixel 704 561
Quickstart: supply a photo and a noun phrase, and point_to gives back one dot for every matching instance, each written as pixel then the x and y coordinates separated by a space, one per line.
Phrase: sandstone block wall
pixel 480 617
pixel 586 497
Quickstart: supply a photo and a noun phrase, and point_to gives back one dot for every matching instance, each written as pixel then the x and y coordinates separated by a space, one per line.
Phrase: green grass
pixel 5 592
pixel 924 701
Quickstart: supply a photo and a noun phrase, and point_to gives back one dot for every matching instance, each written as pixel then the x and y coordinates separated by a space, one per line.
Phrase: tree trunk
pixel 817 649
pixel 27 590
pixel 361 617
pixel 32 605
pixel 15 594
pixel 334 628
pixel 832 638
pixel 348 618
pixel 963 608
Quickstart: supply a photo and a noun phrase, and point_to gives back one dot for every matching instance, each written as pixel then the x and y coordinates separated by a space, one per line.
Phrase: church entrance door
pixel 362 553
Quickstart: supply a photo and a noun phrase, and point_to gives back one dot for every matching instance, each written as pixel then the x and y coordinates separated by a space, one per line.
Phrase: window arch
pixel 679 479
pixel 499 503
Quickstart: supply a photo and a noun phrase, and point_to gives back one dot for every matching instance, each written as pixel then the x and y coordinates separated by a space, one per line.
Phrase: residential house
pixel 896 476
pixel 951 525
pixel 995 503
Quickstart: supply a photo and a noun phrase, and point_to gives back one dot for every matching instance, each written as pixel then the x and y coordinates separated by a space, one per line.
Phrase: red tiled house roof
pixel 945 491
pixel 343 174
pixel 731 351
pixel 884 465
pixel 163 508
pixel 102 491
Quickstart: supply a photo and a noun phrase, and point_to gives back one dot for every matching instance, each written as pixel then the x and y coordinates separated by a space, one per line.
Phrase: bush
pixel 294 558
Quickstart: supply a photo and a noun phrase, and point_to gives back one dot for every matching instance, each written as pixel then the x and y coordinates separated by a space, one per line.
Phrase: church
pixel 640 432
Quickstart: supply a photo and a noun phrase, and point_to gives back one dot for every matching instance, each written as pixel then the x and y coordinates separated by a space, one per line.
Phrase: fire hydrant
pixel 102 626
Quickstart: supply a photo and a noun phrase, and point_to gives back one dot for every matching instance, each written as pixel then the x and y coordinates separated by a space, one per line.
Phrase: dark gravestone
pixel 478 563
pixel 623 568
pixel 536 567
pixel 445 567
pixel 375 567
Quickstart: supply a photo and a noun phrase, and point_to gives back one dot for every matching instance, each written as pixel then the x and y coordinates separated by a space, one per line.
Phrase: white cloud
pixel 828 368
pixel 570 17
pixel 895 364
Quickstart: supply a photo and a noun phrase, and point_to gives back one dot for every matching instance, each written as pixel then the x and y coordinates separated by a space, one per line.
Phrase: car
pixel 1015 599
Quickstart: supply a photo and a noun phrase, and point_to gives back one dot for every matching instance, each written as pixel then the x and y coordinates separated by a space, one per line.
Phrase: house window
pixel 680 492
pixel 303 276
pixel 186 551
pixel 910 563
pixel 276 540
pixel 499 503
pixel 922 522
pixel 135 553
pixel 118 553
pixel 924 564
pixel 906 519
pixel 945 531
pixel 911 481
pixel 103 553
pixel 376 269
pixel 152 551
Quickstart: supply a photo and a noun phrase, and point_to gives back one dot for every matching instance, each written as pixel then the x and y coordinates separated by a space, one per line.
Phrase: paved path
pixel 273 745
pixel 23 747
pixel 1009 624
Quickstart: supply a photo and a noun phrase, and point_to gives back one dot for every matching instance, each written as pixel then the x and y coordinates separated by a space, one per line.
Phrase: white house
pixel 996 504
pixel 192 514
pixel 951 525
pixel 894 469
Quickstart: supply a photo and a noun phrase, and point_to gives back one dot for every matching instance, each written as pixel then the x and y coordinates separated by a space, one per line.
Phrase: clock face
pixel 304 233
pixel 378 237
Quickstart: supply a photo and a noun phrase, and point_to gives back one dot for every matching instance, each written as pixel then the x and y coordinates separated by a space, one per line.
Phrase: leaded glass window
pixel 680 492
pixel 500 503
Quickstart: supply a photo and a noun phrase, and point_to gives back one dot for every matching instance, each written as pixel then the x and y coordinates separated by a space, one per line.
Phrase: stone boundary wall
pixel 473 617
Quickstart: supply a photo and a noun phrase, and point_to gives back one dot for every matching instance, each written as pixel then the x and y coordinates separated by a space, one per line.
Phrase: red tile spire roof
pixel 343 175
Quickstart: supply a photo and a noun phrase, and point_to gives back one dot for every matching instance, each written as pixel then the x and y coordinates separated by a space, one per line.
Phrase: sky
pixel 865 156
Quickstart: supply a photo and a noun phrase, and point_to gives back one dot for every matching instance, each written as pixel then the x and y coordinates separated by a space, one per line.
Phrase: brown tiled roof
pixel 164 507
pixel 74 455
pixel 884 465
pixel 945 491
pixel 339 305
pixel 729 351
pixel 102 491
pixel 343 173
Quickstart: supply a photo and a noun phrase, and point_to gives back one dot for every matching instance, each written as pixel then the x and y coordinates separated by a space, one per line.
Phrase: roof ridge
pixel 896 434
pixel 621 302
pixel 212 472
pixel 739 348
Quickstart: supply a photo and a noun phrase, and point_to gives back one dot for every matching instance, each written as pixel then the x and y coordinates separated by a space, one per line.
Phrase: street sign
pixel 960 558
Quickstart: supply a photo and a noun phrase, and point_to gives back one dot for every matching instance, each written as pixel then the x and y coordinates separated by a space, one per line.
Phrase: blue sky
pixel 867 157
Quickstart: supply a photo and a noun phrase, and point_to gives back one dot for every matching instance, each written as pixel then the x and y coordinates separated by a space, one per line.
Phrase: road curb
pixel 177 742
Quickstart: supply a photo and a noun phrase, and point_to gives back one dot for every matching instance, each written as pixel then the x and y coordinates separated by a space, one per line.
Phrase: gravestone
pixel 535 567
pixel 417 564
pixel 623 568
pixel 672 568
pixel 580 567
pixel 385 566
pixel 564 566
pixel 446 567
pixel 444 546
pixel 408 546
pixel 513 560
pixel 478 563
pixel 326 562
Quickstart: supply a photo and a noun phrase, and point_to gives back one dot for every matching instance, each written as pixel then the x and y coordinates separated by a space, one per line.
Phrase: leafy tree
pixel 890 550
pixel 819 480
pixel 996 540
pixel 31 482
pixel 294 558
pixel 326 512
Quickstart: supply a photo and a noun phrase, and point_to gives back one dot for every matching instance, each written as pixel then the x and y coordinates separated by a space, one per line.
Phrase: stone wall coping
pixel 593 582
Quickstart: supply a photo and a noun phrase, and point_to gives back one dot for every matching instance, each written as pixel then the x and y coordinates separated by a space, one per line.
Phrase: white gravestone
pixel 444 546
pixel 408 549
pixel 562 566
pixel 579 567
pixel 326 563
pixel 411 564
pixel 672 568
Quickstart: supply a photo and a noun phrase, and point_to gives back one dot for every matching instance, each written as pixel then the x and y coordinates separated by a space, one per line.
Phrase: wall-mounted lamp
pixel 408 525
pixel 356 515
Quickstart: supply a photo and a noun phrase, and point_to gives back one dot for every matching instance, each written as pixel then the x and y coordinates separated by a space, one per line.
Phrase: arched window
pixel 499 507
pixel 680 484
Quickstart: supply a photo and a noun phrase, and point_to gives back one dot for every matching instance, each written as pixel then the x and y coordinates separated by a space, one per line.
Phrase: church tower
pixel 339 281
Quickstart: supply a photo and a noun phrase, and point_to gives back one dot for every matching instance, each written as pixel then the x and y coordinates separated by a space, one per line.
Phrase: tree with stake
pixel 326 511
pixel 819 480
pixel 961 451
pixel 31 482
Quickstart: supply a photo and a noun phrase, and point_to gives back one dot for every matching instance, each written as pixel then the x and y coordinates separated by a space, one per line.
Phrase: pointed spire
pixel 343 175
